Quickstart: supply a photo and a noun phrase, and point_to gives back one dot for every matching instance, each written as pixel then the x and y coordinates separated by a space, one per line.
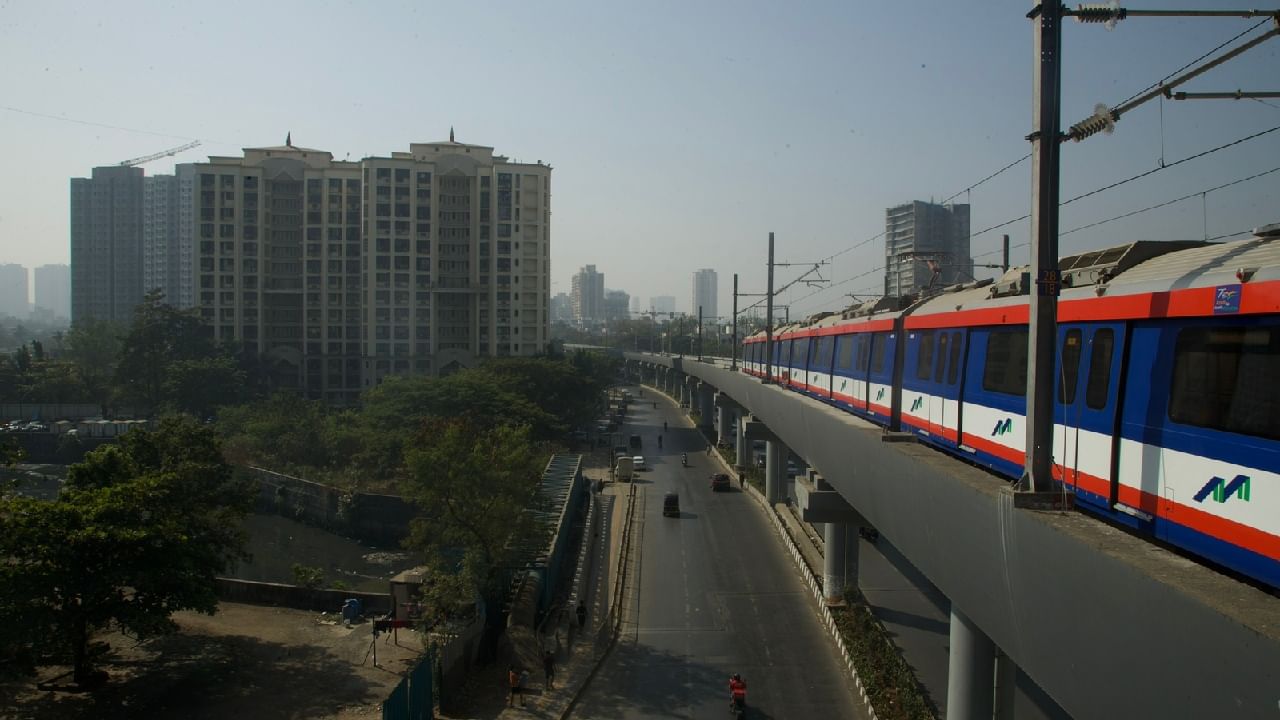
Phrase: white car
pixel 638 462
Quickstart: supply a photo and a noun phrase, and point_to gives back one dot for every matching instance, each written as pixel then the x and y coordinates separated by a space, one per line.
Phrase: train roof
pixel 1130 269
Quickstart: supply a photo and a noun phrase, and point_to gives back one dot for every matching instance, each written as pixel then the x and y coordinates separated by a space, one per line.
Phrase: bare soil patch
pixel 245 662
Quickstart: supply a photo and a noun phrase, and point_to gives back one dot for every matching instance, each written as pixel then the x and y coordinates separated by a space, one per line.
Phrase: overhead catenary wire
pixel 1170 202
pixel 1161 81
pixel 1198 193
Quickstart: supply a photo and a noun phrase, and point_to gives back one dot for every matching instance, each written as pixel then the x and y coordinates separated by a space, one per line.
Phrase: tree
pixel 202 385
pixel 93 346
pixel 140 531
pixel 473 485
pixel 161 337
pixel 558 388
pixel 53 381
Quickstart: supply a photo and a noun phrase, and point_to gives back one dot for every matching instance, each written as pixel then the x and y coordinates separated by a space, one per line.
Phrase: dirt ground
pixel 245 662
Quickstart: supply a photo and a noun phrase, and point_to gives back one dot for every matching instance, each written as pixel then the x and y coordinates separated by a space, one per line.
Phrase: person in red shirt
pixel 737 691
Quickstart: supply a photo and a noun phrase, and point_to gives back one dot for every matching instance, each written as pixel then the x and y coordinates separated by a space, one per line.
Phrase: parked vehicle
pixel 624 471
pixel 1164 415
pixel 638 463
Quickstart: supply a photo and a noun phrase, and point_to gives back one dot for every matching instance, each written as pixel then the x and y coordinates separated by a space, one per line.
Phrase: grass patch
pixel 895 694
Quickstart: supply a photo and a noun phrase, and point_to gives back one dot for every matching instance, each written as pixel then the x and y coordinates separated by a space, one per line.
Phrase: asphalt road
pixel 714 593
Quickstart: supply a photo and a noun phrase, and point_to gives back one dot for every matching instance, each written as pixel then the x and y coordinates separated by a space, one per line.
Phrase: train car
pixel 1166 416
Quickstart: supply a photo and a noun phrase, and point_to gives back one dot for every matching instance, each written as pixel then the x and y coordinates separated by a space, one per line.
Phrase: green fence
pixel 412 698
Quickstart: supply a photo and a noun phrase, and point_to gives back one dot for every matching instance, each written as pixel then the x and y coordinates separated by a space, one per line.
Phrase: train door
pixel 944 400
pixel 843 381
pixel 1088 382
pixel 799 378
pixel 880 375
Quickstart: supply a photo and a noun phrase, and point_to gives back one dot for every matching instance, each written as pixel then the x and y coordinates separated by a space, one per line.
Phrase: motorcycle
pixel 684 459
pixel 737 697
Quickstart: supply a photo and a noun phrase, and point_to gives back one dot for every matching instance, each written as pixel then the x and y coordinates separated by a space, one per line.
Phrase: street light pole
pixel 733 352
pixel 768 319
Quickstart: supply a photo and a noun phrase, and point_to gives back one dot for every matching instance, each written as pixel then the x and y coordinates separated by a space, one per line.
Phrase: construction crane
pixel 157 156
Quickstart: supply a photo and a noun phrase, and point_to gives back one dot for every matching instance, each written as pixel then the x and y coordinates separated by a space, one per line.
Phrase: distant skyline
pixel 681 134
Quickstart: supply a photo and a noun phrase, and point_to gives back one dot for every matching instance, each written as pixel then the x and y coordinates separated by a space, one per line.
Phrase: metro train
pixel 1167 414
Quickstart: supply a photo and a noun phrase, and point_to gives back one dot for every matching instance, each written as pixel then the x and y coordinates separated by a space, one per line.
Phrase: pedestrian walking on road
pixel 549 667
pixel 513 679
pixel 582 615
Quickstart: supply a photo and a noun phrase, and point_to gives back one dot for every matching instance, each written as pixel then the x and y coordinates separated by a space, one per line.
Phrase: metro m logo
pixel 1223 490
pixel 1002 427
pixel 917 404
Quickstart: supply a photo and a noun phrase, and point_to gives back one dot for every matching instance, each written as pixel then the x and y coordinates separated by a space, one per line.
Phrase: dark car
pixel 720 481
pixel 671 505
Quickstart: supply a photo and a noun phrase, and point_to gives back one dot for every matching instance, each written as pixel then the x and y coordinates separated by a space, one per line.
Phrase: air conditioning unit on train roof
pixel 891 303
pixel 1099 266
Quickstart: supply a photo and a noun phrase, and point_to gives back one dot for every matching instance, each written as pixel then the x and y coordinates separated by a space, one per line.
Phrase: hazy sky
pixel 681 133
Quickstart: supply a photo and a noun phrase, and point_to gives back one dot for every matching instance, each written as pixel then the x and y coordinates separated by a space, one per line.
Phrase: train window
pixel 1095 395
pixel 822 356
pixel 846 351
pixel 953 371
pixel 942 357
pixel 1223 379
pixel 800 353
pixel 924 361
pixel 1006 368
pixel 879 347
pixel 1070 376
pixel 864 352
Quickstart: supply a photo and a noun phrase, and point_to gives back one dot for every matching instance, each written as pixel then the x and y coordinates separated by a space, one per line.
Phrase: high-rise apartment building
pixel 617 304
pixel 166 240
pixel 106 244
pixel 341 273
pixel 587 296
pixel 561 308
pixel 926 245
pixel 663 306
pixel 704 293
pixel 14 291
pixel 53 290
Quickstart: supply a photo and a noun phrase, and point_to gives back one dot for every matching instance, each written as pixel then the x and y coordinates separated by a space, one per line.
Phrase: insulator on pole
pixel 1110 13
pixel 1102 120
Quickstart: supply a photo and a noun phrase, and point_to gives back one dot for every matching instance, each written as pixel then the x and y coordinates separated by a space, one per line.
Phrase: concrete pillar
pixel 724 425
pixel 970 671
pixel 741 446
pixel 835 535
pixel 1006 678
pixel 775 470
pixel 706 405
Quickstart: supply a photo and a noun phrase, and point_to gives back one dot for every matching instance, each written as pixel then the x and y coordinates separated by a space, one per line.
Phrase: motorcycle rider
pixel 659 441
pixel 664 426
pixel 737 692
pixel 684 459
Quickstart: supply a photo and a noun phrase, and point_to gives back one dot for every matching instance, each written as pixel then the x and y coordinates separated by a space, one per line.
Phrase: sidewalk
pixel 579 652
